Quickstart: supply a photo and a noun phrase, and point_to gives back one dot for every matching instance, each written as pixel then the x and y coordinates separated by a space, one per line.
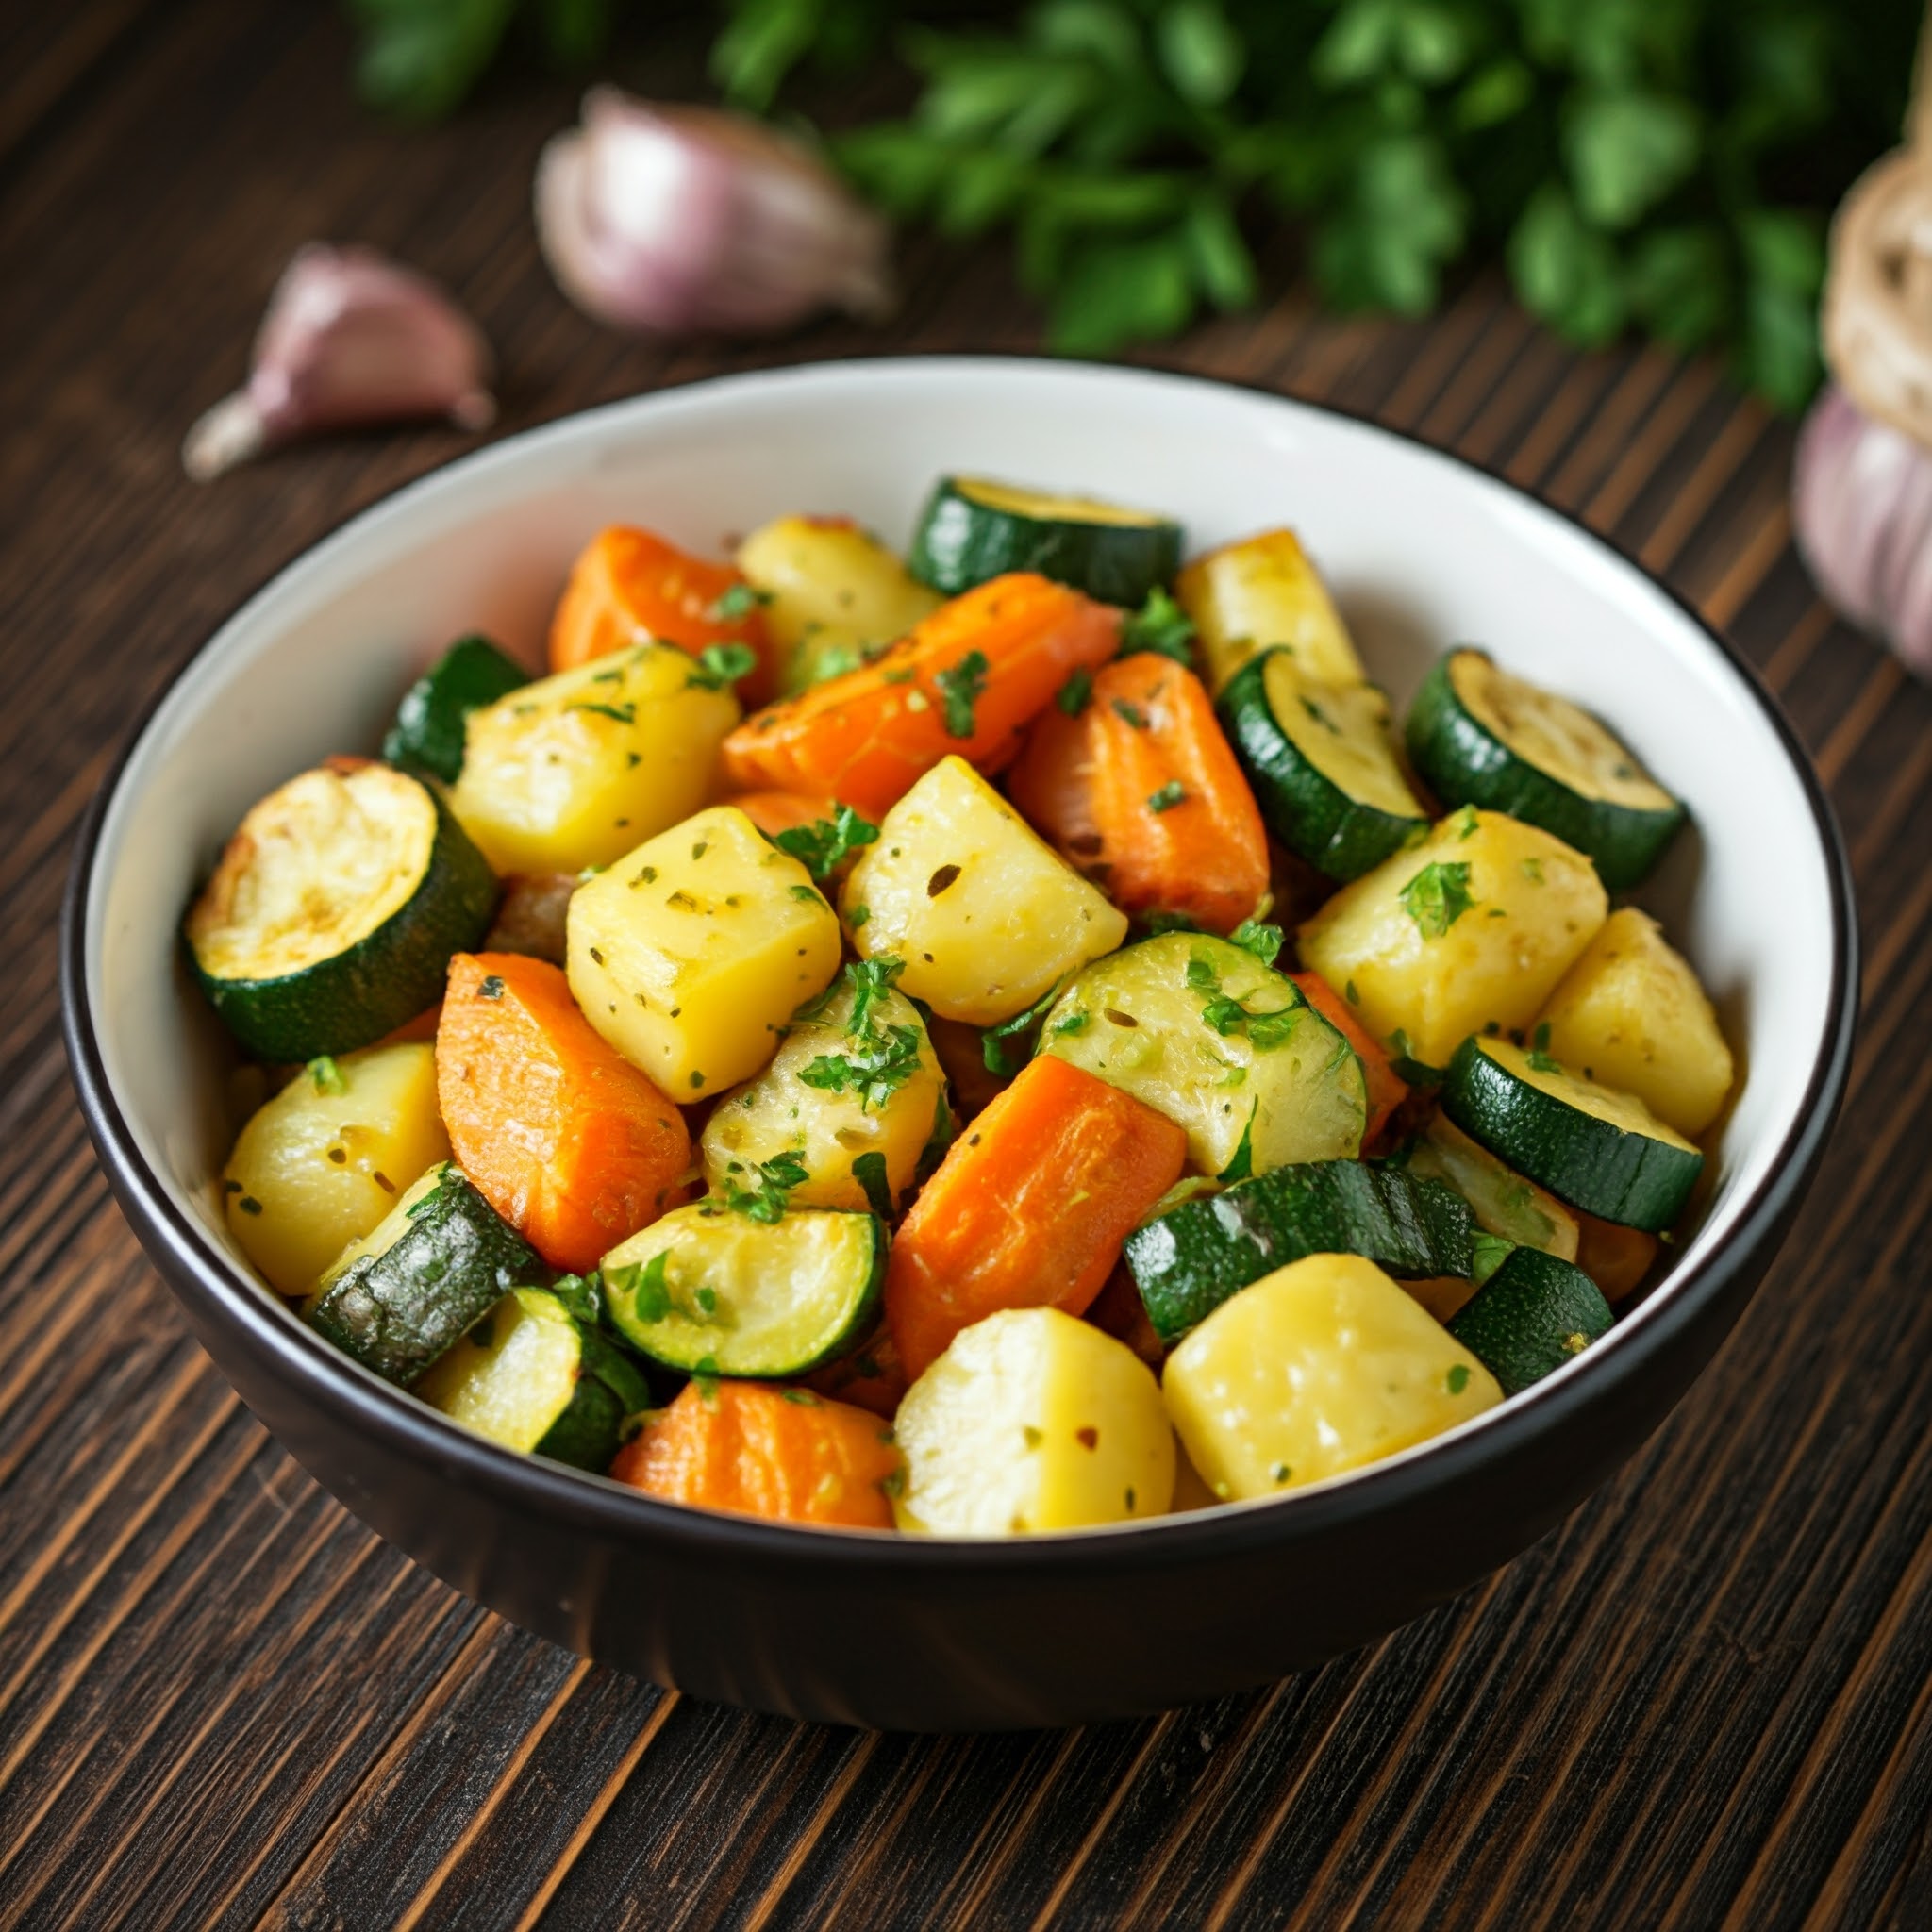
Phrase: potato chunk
pixel 1470 930
pixel 834 1092
pixel 836 594
pixel 690 954
pixel 1632 1014
pixel 985 915
pixel 1263 591
pixel 323 1162
pixel 1319 1368
pixel 574 769
pixel 1033 1421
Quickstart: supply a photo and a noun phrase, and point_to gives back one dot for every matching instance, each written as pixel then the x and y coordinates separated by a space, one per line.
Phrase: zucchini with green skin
pixel 401 1296
pixel 712 1291
pixel 1190 1260
pixel 333 913
pixel 534 1379
pixel 1322 764
pixel 1501 1201
pixel 1599 1150
pixel 428 735
pixel 974 529
pixel 1530 1316
pixel 1479 736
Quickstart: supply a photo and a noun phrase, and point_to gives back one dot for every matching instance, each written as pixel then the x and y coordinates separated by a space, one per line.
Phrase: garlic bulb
pixel 349 337
pixel 676 220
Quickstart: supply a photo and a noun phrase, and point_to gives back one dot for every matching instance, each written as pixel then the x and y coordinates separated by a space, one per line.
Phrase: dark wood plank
pixel 222 1703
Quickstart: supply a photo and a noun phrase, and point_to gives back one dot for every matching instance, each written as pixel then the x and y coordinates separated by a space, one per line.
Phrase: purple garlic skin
pixel 679 220
pixel 348 338
pixel 1862 507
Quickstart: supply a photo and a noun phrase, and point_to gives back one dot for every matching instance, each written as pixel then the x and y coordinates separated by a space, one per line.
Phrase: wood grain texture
pixel 1703 1701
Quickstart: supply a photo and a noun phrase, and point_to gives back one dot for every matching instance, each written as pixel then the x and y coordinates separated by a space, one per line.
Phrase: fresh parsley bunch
pixel 1666 165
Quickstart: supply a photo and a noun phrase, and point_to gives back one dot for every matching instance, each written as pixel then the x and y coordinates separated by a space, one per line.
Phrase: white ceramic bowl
pixel 1422 551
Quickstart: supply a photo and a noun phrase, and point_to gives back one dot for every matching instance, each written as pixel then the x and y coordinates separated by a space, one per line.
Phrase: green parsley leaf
pixel 741 600
pixel 1541 1059
pixel 1132 714
pixel 1005 1049
pixel 1243 1163
pixel 582 1294
pixel 327 1075
pixel 490 988
pixel 825 844
pixel 623 714
pixel 960 691
pixel 643 1285
pixel 858 917
pixel 1075 695
pixel 869 1170
pixel 1159 625
pixel 1264 941
pixel 773 1179
pixel 1458 1378
pixel 1437 897
pixel 1169 795
pixel 718 665
pixel 874 1071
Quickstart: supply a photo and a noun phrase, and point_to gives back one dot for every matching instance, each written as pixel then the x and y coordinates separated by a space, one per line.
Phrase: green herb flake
pixel 718 665
pixel 1437 897
pixel 803 1397
pixel 960 691
pixel 249 1205
pixel 490 988
pixel 1033 1438
pixel 1005 1049
pixel 893 1484
pixel 1533 871
pixel 1073 1022
pixel 1540 1059
pixel 706 1299
pixel 642 1284
pixel 808 895
pixel 1463 822
pixel 1170 795
pixel 1159 625
pixel 869 1170
pixel 858 917
pixel 327 1075
pixel 1243 1163
pixel 825 844
pixel 623 714
pixel 1281 1472
pixel 1264 941
pixel 1075 695
pixel 1349 993
pixel 1131 714
pixel 697 1079
pixel 738 602
pixel 1458 1378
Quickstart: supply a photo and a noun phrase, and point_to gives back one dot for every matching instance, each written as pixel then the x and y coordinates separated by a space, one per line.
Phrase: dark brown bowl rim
pixel 364 1403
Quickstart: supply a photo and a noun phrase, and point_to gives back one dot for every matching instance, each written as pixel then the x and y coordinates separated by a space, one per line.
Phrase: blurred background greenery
pixel 1663 166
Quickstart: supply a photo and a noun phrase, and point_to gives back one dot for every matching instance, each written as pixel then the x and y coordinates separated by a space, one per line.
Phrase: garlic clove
pixel 675 220
pixel 348 338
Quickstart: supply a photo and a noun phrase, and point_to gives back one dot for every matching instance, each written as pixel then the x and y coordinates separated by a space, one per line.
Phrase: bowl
pixel 860 1628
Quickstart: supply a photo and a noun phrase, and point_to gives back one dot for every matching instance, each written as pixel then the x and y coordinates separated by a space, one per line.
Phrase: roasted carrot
pixel 1029 1208
pixel 870 1376
pixel 627 582
pixel 764 1451
pixel 965 681
pixel 773 812
pixel 1386 1086
pixel 1616 1258
pixel 1141 790
pixel 570 1143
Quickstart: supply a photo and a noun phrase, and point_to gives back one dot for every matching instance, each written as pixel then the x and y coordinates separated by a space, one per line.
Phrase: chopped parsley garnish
pixel 825 844
pixel 1533 871
pixel 1488 1253
pixel 1076 693
pixel 1201 975
pixel 623 714
pixel 1133 714
pixel 808 896
pixel 1541 1059
pixel 1464 822
pixel 1005 1049
pixel 1262 941
pixel 1161 625
pixel 490 988
pixel 1438 896
pixel 858 916
pixel 249 1205
pixel 882 1065
pixel 718 665
pixel 1243 1164
pixel 1167 796
pixel 328 1077
pixel 804 1397
pixel 1074 1023
pixel 772 1182
pixel 740 601
pixel 869 1170
pixel 697 1079
pixel 643 1283
pixel 1349 993
pixel 582 1294
pixel 1458 1378
pixel 959 690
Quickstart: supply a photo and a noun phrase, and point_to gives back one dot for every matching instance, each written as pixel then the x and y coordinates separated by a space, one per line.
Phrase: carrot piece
pixel 773 812
pixel 569 1142
pixel 1142 791
pixel 628 580
pixel 965 681
pixel 1029 1208
pixel 871 1377
pixel 1387 1090
pixel 1616 1258
pixel 765 1451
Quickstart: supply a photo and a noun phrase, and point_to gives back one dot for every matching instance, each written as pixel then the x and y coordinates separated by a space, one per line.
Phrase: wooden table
pixel 222 1700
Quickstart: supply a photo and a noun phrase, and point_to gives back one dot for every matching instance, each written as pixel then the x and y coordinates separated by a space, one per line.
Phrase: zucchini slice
pixel 398 1298
pixel 1479 736
pixel 1200 1029
pixel 332 915
pixel 713 1291
pixel 973 529
pixel 428 735
pixel 1324 769
pixel 533 1377
pixel 1533 1315
pixel 1501 1201
pixel 1602 1151
pixel 1190 1260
